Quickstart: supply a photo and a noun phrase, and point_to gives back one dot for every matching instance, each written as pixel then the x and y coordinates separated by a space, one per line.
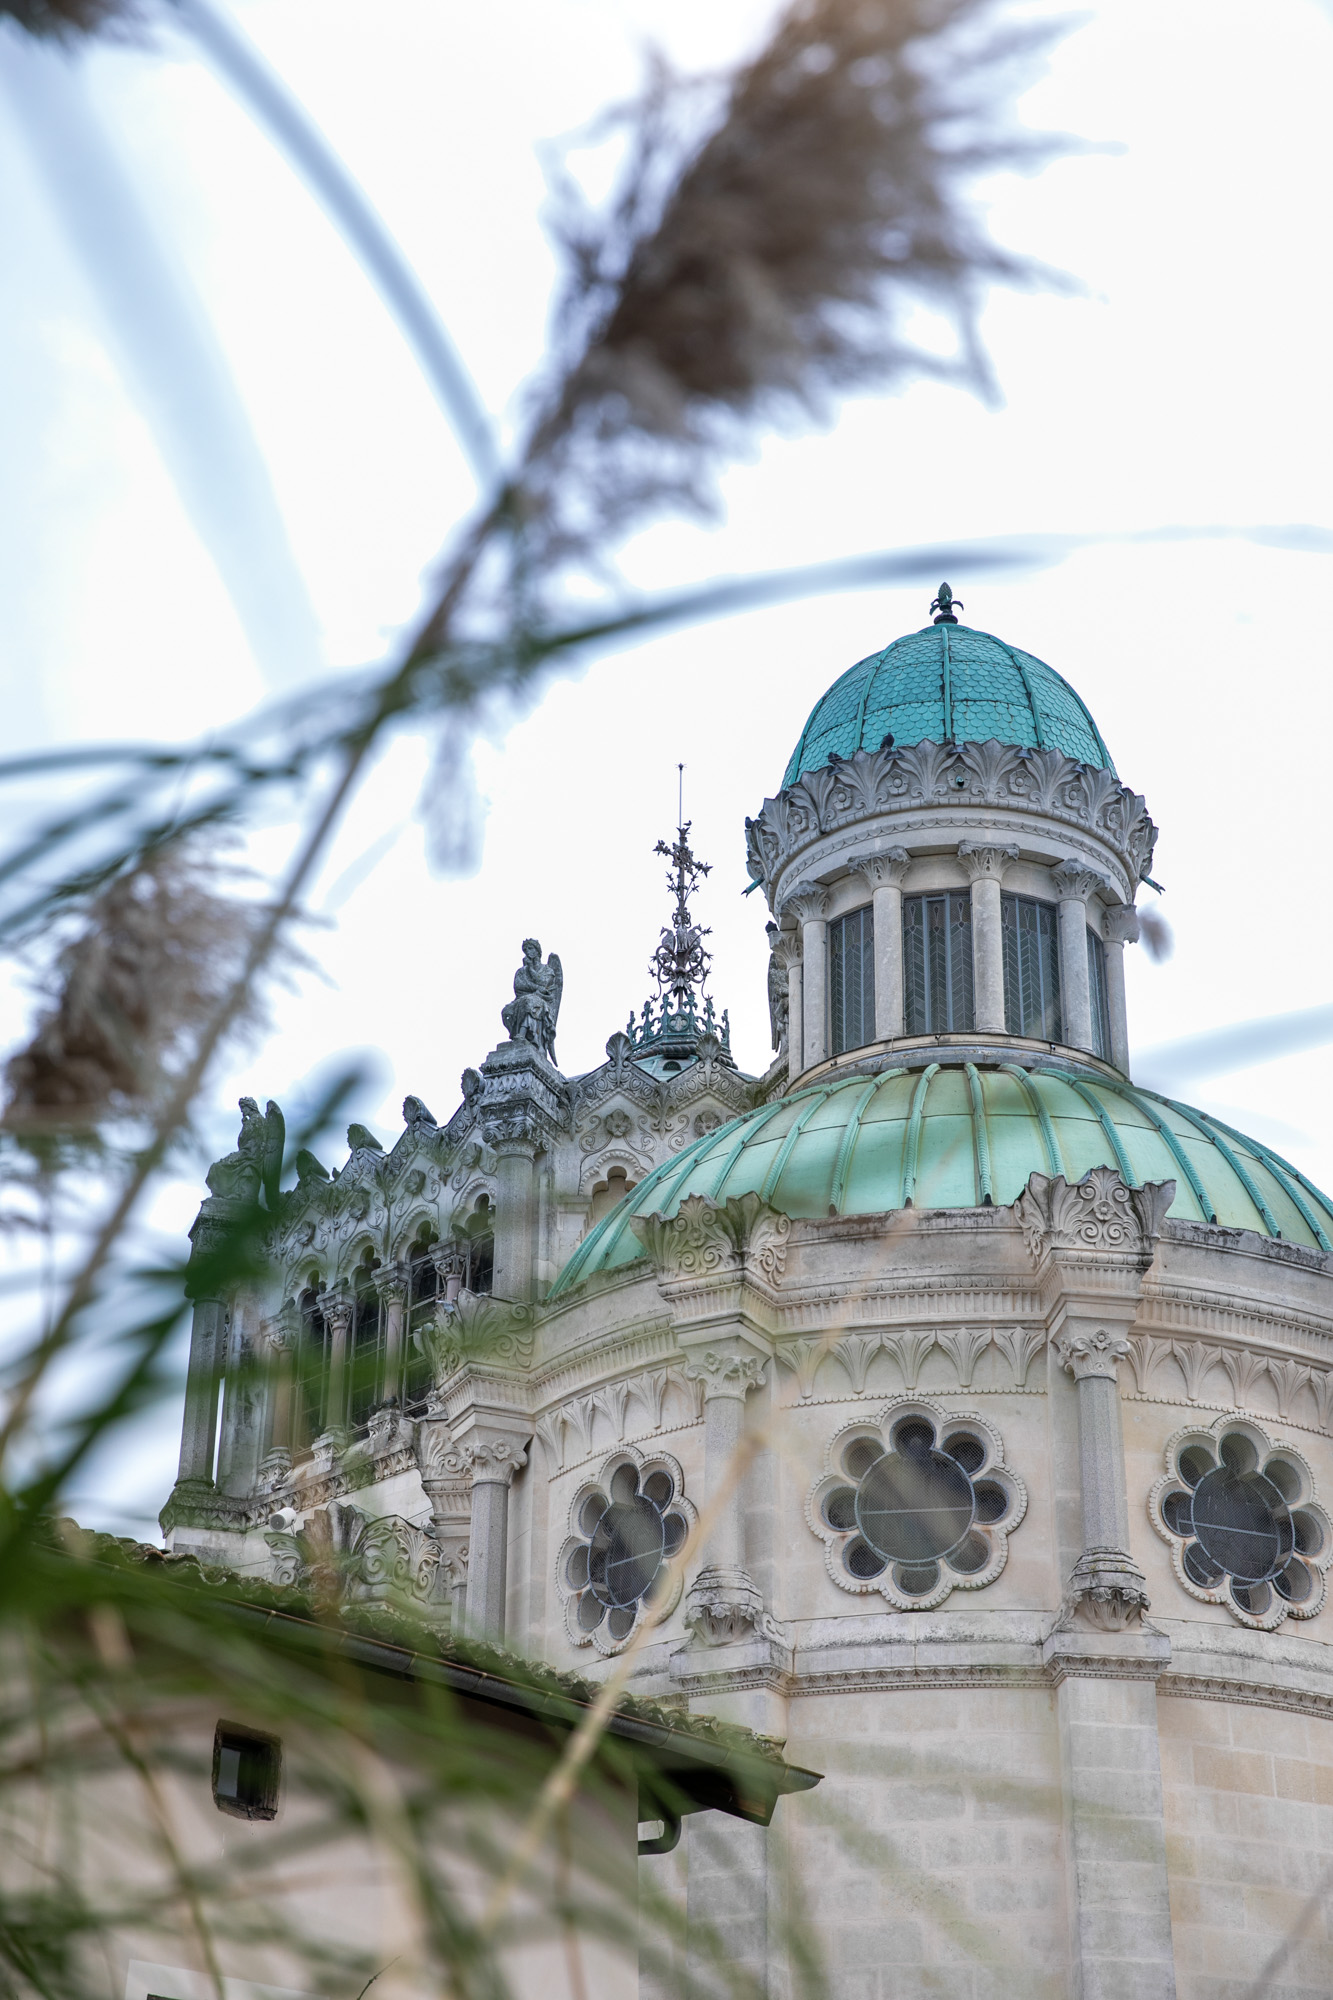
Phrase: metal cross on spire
pixel 680 962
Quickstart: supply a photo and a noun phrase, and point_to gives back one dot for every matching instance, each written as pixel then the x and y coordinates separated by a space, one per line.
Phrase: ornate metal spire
pixel 680 962
pixel 945 605
pixel 680 966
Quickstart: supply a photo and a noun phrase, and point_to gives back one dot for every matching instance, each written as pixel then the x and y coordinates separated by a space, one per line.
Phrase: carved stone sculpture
pixel 532 1014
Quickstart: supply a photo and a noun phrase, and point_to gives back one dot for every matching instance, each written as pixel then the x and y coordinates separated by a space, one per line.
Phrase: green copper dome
pixel 959 1135
pixel 948 684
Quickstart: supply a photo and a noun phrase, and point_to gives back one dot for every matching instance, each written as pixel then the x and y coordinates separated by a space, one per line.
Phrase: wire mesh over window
pixel 312 1371
pixel 1101 1012
pixel 1031 968
pixel 851 954
pixel 937 964
pixel 367 1349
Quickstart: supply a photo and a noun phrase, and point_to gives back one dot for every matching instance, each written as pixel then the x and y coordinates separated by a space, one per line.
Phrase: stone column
pixel 788 949
pixel 492 1456
pixel 337 1310
pixel 728 1371
pixel 883 875
pixel 208 1331
pixel 446 1477
pixel 808 906
pixel 282 1334
pixel 1122 928
pixel 1074 883
pixel 1092 1244
pixel 985 866
pixel 391 1282
pixel 515 1216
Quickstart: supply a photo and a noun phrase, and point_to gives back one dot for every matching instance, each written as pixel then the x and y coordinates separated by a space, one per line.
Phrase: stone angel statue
pixel 535 1008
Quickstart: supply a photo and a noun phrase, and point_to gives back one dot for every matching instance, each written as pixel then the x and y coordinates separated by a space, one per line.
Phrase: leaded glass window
pixel 367 1347
pixel 851 950
pixel 937 963
pixel 1031 968
pixel 1101 1013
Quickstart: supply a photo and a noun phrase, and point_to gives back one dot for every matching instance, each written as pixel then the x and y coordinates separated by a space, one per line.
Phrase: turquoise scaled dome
pixel 948 684
pixel 959 1135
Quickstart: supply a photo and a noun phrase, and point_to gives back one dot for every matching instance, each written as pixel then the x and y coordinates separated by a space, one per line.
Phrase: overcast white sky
pixel 1189 385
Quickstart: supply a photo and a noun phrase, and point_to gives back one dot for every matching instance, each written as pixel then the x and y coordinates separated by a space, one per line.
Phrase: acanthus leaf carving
pixel 1196 1359
pixel 1289 1378
pixel 705 1240
pixel 965 1347
pixel 1099 1212
pixel 1098 1353
pixel 1018 1344
pixel 909 1350
pixel 1244 1369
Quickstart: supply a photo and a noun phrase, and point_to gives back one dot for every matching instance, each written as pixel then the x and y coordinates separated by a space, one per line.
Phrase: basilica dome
pixel 966 1135
pixel 948 684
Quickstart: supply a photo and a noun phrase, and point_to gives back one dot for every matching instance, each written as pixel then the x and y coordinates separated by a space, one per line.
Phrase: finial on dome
pixel 945 605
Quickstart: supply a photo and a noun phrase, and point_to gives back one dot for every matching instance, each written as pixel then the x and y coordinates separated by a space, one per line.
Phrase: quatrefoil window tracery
pixel 616 1567
pixel 1239 1515
pixel 915 1504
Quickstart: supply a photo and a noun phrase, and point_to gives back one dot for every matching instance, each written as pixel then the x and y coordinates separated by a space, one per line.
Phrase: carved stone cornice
pixel 986 860
pixel 1076 882
pixel 885 869
pixel 1122 924
pixel 883 784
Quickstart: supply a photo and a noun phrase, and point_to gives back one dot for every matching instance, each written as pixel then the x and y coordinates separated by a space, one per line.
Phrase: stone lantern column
pixel 787 946
pixel 883 876
pixel 727 1371
pixel 391 1282
pixel 1092 1244
pixel 1074 883
pixel 337 1310
pixel 524 1106
pixel 809 906
pixel 1122 928
pixel 492 1453
pixel 985 866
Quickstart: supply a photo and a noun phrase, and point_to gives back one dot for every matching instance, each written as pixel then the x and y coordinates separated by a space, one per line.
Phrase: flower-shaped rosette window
pixel 1239 1515
pixel 616 1567
pixel 915 1504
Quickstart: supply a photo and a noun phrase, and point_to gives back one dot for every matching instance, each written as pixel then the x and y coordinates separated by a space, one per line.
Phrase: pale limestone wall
pixel 1248 1795
pixel 930 1857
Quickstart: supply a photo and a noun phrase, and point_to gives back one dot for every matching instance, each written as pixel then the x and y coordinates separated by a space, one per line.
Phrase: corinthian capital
pixel 806 902
pixel 877 870
pixel 1098 1353
pixel 1122 924
pixel 1075 881
pixel 726 1371
pixel 337 1309
pixel 390 1281
pixel 1098 1213
pixel 492 1461
pixel 981 859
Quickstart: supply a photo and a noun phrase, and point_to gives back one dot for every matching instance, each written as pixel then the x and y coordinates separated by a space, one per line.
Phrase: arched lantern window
pixel 851 948
pixel 937 964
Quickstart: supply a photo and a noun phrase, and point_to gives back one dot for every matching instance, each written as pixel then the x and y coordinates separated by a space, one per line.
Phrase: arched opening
pixel 609 1193
pixel 425 1291
pixel 311 1369
pixel 366 1357
pixel 476 1242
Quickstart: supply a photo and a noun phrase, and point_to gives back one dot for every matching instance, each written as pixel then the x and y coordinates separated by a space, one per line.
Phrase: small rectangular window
pixel 1031 968
pixel 851 946
pixel 937 964
pixel 247 1772
pixel 1101 1013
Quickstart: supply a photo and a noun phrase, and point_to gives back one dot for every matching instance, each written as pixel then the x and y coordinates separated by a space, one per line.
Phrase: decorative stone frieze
pixel 883 785
pixel 342 1554
pixel 726 1371
pixel 1098 1213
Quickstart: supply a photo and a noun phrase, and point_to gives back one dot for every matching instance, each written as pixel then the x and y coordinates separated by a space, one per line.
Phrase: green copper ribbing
pixel 1050 1144
pixel 747 1133
pixel 980 1136
pixel 774 1174
pixel 1250 1186
pixel 1102 1116
pixel 849 1139
pixel 912 1143
pixel 1176 1150
pixel 1031 694
pixel 946 690
pixel 1283 1171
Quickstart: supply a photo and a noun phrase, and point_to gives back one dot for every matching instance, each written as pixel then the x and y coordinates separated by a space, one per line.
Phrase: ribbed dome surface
pixel 948 684
pixel 954 1134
